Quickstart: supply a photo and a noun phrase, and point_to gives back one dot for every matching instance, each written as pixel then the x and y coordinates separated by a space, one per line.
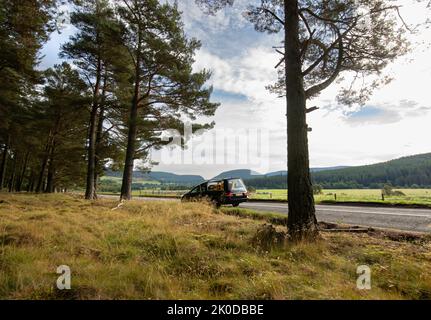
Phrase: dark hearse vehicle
pixel 220 192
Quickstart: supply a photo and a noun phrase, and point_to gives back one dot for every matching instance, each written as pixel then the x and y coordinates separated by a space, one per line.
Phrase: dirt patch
pixel 267 237
pixel 18 239
pixel 375 204
pixel 394 235
pixel 402 236
pixel 333 227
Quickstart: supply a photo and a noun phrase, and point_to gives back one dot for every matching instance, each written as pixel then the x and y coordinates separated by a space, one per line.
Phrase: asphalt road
pixel 418 220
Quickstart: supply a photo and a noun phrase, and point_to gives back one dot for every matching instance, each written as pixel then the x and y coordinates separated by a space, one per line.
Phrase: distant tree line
pixel 114 186
pixel 408 172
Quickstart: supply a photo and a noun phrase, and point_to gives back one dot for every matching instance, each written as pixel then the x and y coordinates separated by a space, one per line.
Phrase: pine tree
pixel 24 27
pixel 62 123
pixel 96 50
pixel 164 86
pixel 322 40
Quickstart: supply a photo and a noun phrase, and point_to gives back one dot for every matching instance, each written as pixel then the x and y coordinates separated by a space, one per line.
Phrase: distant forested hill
pixel 247 174
pixel 408 172
pixel 413 171
pixel 268 182
pixel 160 176
pixel 244 174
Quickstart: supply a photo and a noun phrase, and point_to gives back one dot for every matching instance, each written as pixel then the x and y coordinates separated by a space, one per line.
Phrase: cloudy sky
pixel 395 122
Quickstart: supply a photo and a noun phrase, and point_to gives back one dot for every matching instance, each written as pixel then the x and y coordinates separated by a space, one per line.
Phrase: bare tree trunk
pixel 23 171
pixel 98 145
pixel 30 186
pixel 302 223
pixel 126 187
pixel 13 174
pixel 50 187
pixel 99 133
pixel 90 192
pixel 4 164
pixel 50 181
pixel 1 166
pixel 39 185
pixel 44 183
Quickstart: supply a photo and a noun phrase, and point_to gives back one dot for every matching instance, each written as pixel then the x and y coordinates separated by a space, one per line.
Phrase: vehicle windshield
pixel 236 185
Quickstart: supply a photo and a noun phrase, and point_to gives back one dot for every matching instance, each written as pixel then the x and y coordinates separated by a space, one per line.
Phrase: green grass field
pixel 412 196
pixel 119 180
pixel 161 250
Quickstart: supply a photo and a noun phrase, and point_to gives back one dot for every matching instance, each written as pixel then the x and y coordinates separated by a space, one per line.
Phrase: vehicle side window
pixel 215 186
pixel 196 190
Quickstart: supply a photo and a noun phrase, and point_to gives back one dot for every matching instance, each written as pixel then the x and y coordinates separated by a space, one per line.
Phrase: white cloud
pixel 247 74
pixel 229 18
pixel 401 128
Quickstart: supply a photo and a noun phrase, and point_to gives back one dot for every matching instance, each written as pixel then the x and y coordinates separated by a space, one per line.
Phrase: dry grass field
pixel 160 250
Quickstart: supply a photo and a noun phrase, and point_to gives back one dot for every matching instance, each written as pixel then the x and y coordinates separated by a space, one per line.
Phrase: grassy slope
pixel 186 251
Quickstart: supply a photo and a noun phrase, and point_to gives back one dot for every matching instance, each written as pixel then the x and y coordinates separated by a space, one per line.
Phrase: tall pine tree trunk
pixel 99 132
pixel 23 171
pixel 40 180
pixel 302 222
pixel 13 174
pixel 30 185
pixel 126 187
pixel 4 164
pixel 50 181
pixel 90 192
pixel 50 187
pixel 98 145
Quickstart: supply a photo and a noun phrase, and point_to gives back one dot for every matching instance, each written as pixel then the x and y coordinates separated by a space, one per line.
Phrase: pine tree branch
pixel 274 16
pixel 323 85
pixel 331 47
pixel 307 25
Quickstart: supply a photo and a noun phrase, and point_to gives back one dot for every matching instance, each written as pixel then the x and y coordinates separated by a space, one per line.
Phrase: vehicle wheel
pixel 235 205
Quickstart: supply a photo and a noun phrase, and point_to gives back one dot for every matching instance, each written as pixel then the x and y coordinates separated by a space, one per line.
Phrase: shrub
pixel 389 191
pixel 317 189
pixel 267 237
